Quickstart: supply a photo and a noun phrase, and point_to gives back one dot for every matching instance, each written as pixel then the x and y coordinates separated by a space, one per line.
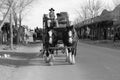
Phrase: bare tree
pixel 7 11
pixel 116 2
pixel 22 7
pixel 91 9
pixel 76 21
pixel 9 4
pixel 18 9
pixel 82 13
pixel 108 8
pixel 94 7
pixel 11 10
pixel 85 12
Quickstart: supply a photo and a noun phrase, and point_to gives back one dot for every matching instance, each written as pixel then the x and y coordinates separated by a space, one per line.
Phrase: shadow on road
pixel 22 60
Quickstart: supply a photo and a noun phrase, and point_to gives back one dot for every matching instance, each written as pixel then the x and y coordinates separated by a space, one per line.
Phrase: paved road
pixel 93 63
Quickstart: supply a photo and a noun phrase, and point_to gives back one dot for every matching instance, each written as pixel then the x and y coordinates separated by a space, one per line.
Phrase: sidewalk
pixel 20 49
pixel 103 43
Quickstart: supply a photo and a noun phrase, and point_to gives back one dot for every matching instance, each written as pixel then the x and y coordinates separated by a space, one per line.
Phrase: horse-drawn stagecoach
pixel 58 31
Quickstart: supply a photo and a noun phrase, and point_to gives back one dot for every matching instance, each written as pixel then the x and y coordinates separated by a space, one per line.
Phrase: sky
pixel 34 16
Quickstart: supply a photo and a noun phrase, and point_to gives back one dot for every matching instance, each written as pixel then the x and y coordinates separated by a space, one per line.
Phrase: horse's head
pixel 52 36
pixel 70 33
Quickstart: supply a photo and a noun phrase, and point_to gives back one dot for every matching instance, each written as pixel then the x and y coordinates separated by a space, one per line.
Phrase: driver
pixel 53 22
pixel 52 14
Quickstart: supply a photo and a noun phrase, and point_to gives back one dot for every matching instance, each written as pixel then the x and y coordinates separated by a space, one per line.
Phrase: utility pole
pixel 11 29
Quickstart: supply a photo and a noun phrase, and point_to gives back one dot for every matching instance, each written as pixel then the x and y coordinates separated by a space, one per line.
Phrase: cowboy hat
pixel 51 9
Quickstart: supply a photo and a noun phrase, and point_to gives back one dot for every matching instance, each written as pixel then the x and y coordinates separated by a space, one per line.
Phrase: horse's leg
pixel 51 57
pixel 74 49
pixel 70 55
pixel 47 55
pixel 73 56
pixel 73 59
pixel 67 54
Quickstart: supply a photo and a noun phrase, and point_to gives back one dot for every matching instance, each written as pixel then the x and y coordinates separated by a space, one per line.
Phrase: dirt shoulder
pixel 28 48
pixel 9 65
